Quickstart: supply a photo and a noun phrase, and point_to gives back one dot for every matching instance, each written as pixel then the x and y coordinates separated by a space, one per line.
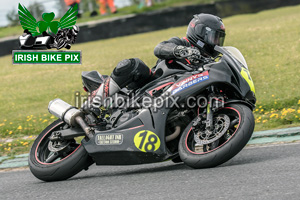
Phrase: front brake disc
pixel 221 125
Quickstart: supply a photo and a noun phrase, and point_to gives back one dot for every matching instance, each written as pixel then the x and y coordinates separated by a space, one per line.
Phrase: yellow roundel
pixel 146 141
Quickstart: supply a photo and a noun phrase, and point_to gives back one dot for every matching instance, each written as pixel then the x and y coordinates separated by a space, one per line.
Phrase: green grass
pixel 16 147
pixel 134 9
pixel 11 31
pixel 269 40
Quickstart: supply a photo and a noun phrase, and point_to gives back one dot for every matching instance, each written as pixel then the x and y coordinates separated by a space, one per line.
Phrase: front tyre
pixel 49 165
pixel 234 125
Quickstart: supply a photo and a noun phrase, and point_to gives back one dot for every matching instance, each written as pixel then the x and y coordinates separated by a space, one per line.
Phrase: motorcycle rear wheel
pixel 223 149
pixel 48 166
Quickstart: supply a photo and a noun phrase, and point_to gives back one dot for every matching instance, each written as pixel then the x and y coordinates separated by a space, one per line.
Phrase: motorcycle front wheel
pixel 50 161
pixel 233 127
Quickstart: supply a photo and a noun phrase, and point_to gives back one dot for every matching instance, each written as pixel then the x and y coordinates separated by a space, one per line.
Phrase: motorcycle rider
pixel 203 33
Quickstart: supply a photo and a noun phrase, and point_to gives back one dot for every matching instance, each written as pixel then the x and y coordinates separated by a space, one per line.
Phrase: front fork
pixel 209 117
pixel 214 103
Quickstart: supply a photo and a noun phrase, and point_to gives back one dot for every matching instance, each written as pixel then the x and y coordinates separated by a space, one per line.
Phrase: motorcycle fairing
pixel 128 151
pixel 238 56
pixel 246 75
pixel 188 82
pixel 149 120
pixel 226 74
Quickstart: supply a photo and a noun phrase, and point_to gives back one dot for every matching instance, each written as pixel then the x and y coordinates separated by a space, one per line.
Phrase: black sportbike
pixel 204 119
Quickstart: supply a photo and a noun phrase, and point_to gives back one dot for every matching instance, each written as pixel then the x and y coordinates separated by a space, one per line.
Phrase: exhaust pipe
pixel 69 114
pixel 173 135
pixel 64 111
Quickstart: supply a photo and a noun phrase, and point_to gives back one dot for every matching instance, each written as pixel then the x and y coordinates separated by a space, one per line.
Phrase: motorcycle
pixel 201 136
pixel 63 39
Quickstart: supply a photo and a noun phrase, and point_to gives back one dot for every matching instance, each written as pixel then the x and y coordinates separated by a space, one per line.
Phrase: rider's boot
pixel 96 99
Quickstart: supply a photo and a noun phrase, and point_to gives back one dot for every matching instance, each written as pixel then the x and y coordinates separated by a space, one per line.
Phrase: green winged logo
pixel 47 24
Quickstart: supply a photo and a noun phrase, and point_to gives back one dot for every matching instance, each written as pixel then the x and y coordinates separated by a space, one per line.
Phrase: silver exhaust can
pixel 64 111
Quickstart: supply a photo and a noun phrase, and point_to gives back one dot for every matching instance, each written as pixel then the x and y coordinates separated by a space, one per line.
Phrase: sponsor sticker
pixel 188 82
pixel 109 139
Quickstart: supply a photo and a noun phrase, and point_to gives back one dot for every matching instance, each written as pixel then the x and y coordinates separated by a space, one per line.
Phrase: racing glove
pixel 191 53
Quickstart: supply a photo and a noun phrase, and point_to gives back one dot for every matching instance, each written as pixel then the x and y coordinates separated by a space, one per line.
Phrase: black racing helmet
pixel 205 31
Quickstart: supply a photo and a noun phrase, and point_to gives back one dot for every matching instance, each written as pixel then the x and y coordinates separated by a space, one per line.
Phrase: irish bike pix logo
pixel 40 36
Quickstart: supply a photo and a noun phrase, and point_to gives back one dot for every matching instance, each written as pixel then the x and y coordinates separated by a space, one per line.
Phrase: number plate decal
pixel 109 139
pixel 246 75
pixel 146 141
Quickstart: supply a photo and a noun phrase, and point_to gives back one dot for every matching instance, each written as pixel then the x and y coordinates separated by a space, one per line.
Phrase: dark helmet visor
pixel 215 37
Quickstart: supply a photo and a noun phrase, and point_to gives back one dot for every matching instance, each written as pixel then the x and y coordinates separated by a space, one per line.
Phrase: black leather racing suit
pixel 165 49
pixel 134 73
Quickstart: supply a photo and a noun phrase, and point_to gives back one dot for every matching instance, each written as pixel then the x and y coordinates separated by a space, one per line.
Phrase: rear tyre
pixel 48 166
pixel 233 139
